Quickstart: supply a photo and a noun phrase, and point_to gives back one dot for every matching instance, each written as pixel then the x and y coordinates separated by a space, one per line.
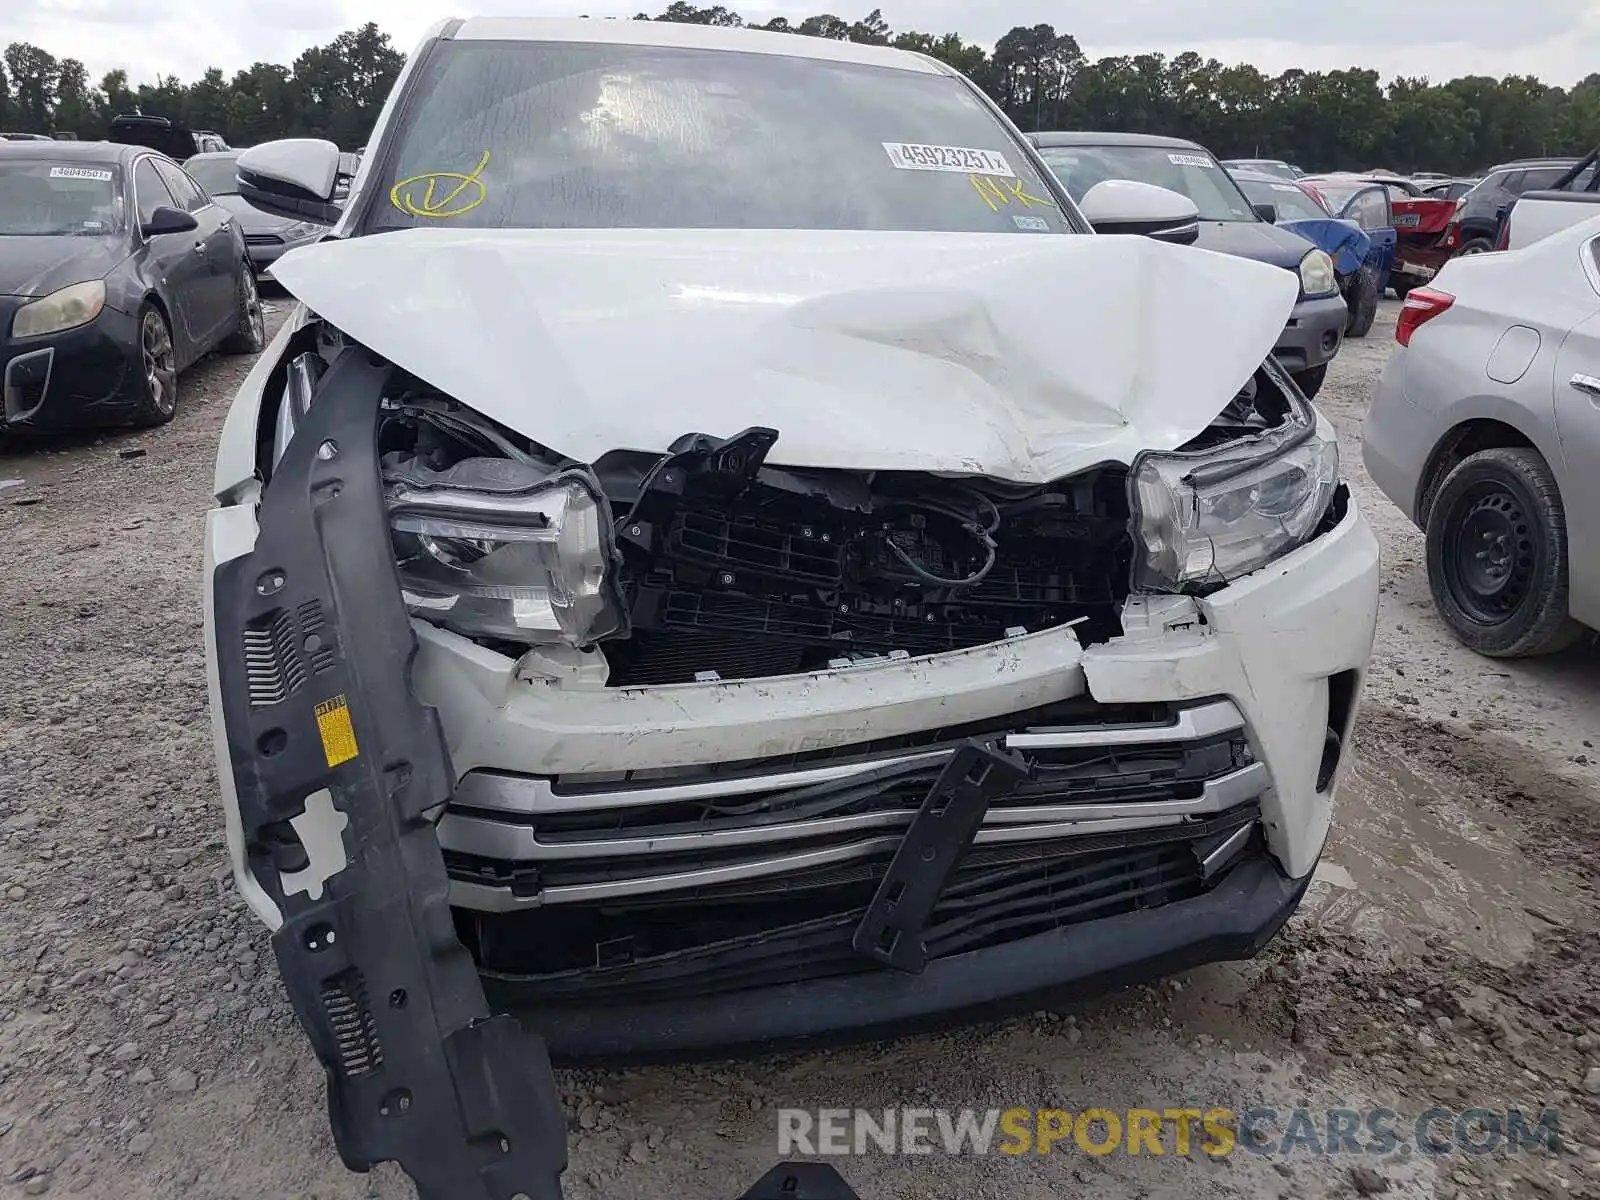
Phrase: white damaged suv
pixel 721 552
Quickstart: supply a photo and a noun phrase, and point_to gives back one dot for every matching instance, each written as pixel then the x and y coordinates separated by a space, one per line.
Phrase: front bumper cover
pixel 312 651
pixel 1314 333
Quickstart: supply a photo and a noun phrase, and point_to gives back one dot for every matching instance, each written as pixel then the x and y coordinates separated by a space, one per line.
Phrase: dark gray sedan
pixel 116 273
pixel 266 237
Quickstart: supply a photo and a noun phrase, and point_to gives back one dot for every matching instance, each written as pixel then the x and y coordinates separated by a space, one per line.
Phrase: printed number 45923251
pixel 962 160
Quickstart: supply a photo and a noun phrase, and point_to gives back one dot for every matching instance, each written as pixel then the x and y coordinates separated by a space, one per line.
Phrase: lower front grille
pixel 657 952
pixel 719 878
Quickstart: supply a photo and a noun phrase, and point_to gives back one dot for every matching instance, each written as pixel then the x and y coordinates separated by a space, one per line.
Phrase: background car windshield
pixel 1338 195
pixel 50 198
pixel 563 135
pixel 1194 173
pixel 217 175
pixel 1292 203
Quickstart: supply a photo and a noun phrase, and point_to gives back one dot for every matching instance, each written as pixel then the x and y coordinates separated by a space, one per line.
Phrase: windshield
pixel 43 198
pixel 1265 167
pixel 218 176
pixel 1291 202
pixel 1194 173
pixel 1338 195
pixel 564 135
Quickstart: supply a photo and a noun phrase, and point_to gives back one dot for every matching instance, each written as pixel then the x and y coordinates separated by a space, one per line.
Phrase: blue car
pixel 1359 236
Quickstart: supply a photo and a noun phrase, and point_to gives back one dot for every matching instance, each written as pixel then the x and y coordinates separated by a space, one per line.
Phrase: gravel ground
pixel 1446 956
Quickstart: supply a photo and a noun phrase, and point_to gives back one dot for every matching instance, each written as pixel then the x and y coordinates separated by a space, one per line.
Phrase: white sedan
pixel 1485 430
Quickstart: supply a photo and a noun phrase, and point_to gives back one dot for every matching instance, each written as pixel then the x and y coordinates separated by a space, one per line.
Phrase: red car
pixel 1421 223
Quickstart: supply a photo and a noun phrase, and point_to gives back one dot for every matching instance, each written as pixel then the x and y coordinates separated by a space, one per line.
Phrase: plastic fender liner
pixel 314 649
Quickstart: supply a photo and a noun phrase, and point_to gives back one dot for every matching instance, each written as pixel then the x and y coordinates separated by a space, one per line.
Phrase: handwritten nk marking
pixel 997 193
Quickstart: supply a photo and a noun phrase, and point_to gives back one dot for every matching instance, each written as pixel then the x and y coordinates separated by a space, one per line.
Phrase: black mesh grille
pixel 771 932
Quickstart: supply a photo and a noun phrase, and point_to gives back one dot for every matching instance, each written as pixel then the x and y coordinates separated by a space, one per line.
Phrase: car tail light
pixel 1503 241
pixel 1422 305
pixel 1452 236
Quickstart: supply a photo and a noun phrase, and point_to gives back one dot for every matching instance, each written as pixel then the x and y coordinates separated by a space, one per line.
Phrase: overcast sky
pixel 1557 40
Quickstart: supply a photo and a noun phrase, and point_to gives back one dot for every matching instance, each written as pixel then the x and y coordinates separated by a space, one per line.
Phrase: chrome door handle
pixel 200 246
pixel 1586 383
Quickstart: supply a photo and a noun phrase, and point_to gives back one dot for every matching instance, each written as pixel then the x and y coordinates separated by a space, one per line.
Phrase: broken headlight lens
pixel 499 549
pixel 1206 519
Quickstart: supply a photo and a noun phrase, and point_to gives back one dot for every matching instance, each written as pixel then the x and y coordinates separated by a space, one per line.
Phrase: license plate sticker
pixel 1189 160
pixel 958 160
pixel 95 173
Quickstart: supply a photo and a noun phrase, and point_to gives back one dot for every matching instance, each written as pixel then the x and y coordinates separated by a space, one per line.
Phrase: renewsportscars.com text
pixel 1216 1132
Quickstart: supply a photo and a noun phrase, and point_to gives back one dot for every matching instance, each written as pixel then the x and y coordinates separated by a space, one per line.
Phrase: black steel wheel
pixel 1362 300
pixel 1497 555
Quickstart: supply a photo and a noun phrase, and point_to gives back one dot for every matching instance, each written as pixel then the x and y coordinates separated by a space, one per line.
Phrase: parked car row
pixel 117 271
pixel 121 263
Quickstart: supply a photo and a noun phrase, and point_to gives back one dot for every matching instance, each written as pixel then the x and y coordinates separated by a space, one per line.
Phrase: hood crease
pixel 1022 357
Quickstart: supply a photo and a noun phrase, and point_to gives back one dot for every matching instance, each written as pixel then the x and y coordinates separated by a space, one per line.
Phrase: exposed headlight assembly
pixel 66 309
pixel 1317 277
pixel 1203 519
pixel 500 549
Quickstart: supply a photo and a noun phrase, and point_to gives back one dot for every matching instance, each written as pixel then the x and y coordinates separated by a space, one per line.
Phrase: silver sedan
pixel 1485 430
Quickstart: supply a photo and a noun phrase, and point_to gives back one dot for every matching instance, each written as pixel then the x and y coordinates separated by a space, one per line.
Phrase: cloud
pixel 1557 40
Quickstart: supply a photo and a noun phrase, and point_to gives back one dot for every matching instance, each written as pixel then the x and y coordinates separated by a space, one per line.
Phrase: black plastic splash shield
pixel 947 820
pixel 314 650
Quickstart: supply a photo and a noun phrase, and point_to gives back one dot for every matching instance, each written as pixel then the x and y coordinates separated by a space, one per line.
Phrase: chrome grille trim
pixel 520 844
pixel 531 795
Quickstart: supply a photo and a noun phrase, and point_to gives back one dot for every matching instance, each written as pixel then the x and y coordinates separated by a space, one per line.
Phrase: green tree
pixel 1320 119
pixel 34 75
pixel 76 110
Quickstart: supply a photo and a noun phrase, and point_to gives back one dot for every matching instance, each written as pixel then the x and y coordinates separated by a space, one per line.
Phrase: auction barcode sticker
pixel 1189 160
pixel 102 175
pixel 961 160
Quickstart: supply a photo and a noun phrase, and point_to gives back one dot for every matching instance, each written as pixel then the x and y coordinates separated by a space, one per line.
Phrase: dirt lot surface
pixel 1447 956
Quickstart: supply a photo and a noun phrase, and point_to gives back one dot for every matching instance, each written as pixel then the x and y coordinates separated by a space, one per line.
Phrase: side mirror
pixel 293 177
pixel 1128 206
pixel 168 220
pixel 1267 212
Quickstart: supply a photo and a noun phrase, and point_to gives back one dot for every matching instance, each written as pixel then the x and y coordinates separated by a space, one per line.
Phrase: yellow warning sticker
pixel 338 734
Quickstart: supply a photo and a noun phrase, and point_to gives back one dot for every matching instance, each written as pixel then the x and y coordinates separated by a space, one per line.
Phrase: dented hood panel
pixel 1020 357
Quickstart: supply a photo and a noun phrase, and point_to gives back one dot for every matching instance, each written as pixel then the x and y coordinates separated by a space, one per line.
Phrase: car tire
pixel 250 331
pixel 1497 555
pixel 1310 380
pixel 158 360
pixel 1363 302
pixel 1401 286
pixel 1478 245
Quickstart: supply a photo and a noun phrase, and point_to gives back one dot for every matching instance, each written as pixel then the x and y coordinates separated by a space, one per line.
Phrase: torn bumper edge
pixel 310 650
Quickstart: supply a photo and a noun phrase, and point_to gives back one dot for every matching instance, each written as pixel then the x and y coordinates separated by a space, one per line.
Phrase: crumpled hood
pixel 1344 241
pixel 1021 357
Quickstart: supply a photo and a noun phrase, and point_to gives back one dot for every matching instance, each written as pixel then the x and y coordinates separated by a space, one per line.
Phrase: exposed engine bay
pixel 715 564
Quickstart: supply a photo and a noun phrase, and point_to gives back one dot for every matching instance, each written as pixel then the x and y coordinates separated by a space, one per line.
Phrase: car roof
pixel 1276 162
pixel 1522 164
pixel 84 152
pixel 1259 176
pixel 1081 138
pixel 691 37
pixel 209 155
